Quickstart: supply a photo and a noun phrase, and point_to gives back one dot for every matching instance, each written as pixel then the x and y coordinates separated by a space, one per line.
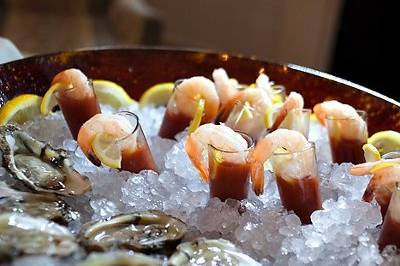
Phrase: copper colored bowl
pixel 138 69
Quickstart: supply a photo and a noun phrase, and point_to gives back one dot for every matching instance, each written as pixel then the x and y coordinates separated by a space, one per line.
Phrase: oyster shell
pixel 149 232
pixel 121 259
pixel 43 205
pixel 204 251
pixel 38 165
pixel 21 234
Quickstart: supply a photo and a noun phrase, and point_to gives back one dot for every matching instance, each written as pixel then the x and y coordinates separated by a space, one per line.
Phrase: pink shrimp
pixel 293 101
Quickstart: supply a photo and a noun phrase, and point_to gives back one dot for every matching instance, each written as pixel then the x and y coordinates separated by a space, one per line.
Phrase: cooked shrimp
pixel 290 140
pixel 293 101
pixel 190 91
pixel 263 82
pixel 114 124
pixel 225 87
pixel 383 181
pixel 76 80
pixel 221 137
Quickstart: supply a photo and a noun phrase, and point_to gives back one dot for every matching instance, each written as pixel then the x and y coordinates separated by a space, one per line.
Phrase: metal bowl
pixel 137 69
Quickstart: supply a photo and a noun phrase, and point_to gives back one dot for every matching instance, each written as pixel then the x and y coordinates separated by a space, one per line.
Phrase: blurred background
pixel 349 39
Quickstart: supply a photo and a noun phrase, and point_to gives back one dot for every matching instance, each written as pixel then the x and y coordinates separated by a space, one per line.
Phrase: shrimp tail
pixel 257 177
pixel 278 120
pixel 194 151
pixel 369 191
pixel 320 114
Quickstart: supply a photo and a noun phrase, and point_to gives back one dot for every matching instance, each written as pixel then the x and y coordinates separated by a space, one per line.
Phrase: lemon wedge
pixel 371 154
pixel 198 115
pixel 157 95
pixel 382 165
pixel 107 150
pixel 20 109
pixel 386 141
pixel 108 92
pixel 49 100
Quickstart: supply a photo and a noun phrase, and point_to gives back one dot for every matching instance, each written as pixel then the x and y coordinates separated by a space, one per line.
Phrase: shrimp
pixel 263 82
pixel 220 136
pixel 383 181
pixel 74 79
pixel 190 90
pixel 114 124
pixel 293 101
pixel 224 86
pixel 290 140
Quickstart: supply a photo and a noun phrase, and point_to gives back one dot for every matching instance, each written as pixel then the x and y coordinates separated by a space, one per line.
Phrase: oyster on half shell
pixel 121 259
pixel 21 234
pixel 204 251
pixel 44 205
pixel 148 231
pixel 38 165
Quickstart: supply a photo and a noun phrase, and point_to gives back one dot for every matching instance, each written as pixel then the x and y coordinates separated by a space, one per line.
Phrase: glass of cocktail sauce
pixel 278 93
pixel 78 104
pixel 230 171
pixel 135 151
pixel 246 119
pixel 390 232
pixel 298 120
pixel 298 182
pixel 346 137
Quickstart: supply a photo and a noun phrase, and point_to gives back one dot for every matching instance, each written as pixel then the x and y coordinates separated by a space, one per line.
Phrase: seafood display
pixel 202 172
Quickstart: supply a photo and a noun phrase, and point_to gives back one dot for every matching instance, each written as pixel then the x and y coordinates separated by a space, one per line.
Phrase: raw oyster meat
pixel 44 205
pixel 148 231
pixel 38 165
pixel 204 251
pixel 121 259
pixel 22 234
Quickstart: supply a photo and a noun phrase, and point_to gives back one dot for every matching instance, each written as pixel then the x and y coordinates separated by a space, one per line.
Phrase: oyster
pixel 149 232
pixel 204 251
pixel 21 234
pixel 121 259
pixel 38 165
pixel 38 205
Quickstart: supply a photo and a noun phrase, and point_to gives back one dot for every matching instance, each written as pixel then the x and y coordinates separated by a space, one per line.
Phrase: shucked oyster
pixel 38 205
pixel 204 251
pixel 21 234
pixel 121 259
pixel 148 232
pixel 38 165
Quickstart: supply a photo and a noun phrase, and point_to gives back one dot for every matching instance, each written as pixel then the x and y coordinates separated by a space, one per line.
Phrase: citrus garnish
pixel 110 93
pixel 382 165
pixel 157 95
pixel 107 150
pixel 198 115
pixel 49 101
pixel 371 154
pixel 107 92
pixel 268 117
pixel 245 113
pixel 385 141
pixel 20 109
pixel 313 117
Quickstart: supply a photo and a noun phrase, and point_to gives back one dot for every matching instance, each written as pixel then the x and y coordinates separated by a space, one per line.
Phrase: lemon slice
pixel 49 100
pixel 386 141
pixel 371 154
pixel 20 109
pixel 198 115
pixel 382 165
pixel 268 117
pixel 107 150
pixel 157 95
pixel 313 117
pixel 111 93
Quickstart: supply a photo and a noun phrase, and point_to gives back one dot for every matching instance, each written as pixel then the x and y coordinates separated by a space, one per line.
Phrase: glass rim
pixel 247 138
pixel 312 146
pixel 363 115
pixel 58 90
pixel 137 126
pixel 278 88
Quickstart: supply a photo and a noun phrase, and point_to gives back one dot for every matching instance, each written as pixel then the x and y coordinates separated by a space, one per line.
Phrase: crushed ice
pixel 343 233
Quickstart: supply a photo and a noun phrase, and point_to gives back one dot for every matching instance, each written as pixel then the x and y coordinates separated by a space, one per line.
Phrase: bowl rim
pixel 210 52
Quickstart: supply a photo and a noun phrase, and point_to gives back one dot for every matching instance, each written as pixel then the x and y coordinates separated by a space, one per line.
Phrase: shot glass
pixel 346 137
pixel 246 119
pixel 230 171
pixel 278 93
pixel 136 154
pixel 390 232
pixel 298 182
pixel 298 120
pixel 78 105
